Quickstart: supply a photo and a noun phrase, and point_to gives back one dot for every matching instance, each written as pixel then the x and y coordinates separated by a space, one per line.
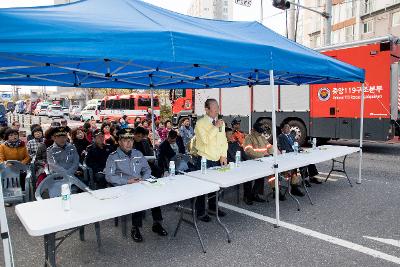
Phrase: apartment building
pixel 212 9
pixel 351 20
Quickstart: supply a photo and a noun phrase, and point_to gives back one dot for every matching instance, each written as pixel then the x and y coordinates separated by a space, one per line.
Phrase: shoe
pixel 136 235
pixel 157 228
pixel 220 212
pixel 315 180
pixel 248 201
pixel 257 198
pixel 204 218
pixel 307 183
pixel 282 197
pixel 295 190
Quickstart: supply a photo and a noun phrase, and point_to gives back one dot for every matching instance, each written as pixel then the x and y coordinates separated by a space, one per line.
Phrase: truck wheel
pixel 300 130
pixel 268 126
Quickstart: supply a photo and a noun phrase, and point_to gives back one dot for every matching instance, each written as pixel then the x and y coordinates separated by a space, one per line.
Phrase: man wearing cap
pixel 128 166
pixel 97 154
pixel 62 156
pixel 237 135
pixel 211 144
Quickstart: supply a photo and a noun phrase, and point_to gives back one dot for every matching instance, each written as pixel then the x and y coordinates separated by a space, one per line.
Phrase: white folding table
pixel 254 169
pixel 47 217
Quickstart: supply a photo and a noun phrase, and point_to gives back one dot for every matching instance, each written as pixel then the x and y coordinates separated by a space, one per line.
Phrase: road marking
pixel 324 178
pixel 392 242
pixel 332 174
pixel 315 234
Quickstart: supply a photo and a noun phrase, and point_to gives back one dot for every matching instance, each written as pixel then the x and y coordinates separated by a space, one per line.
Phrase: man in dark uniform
pixel 62 156
pixel 96 157
pixel 127 166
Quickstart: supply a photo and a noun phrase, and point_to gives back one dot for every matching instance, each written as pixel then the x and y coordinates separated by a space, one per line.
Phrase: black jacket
pixel 233 147
pixel 81 145
pixel 144 147
pixel 284 143
pixel 96 157
pixel 166 153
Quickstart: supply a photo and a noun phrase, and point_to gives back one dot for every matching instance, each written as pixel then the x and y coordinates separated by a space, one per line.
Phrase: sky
pixel 273 18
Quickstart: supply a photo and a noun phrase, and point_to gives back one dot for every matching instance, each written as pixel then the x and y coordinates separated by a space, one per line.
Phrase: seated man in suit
pixel 286 142
pixel 172 150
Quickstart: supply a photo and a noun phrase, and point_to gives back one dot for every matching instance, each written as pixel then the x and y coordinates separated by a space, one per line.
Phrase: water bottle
pixel 66 197
pixel 296 147
pixel 203 165
pixel 237 159
pixel 172 168
pixel 314 143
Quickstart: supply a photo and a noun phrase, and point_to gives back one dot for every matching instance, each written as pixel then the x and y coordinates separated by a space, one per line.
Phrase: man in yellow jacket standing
pixel 211 143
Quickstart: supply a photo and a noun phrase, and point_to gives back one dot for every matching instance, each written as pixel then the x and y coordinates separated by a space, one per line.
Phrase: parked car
pixel 75 113
pixel 3 117
pixel 65 111
pixel 91 112
pixel 41 109
pixel 54 111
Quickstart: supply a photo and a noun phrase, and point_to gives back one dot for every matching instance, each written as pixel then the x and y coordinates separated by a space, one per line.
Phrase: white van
pixel 91 112
pixel 41 109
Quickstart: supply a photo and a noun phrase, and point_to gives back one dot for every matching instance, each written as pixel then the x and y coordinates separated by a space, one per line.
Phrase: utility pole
pixel 292 22
pixel 328 22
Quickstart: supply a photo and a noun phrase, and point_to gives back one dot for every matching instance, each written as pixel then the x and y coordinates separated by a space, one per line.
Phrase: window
pixel 368 6
pixel 102 105
pixel 349 10
pixel 349 33
pixel 116 104
pixel 396 19
pixel 225 3
pixel 109 104
pixel 368 26
pixel 225 10
pixel 335 37
pixel 131 103
pixel 146 102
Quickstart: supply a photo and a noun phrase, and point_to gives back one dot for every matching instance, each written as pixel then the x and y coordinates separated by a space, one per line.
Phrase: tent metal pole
pixel 251 107
pixel 361 133
pixel 275 145
pixel 153 127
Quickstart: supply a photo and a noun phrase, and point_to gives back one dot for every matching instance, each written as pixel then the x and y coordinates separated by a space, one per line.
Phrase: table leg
pixel 179 222
pixel 50 249
pixel 342 170
pixel 195 224
pixel 124 225
pixel 290 193
pixel 218 220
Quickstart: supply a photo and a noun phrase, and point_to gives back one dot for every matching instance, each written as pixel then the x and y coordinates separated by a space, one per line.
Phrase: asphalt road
pixel 349 214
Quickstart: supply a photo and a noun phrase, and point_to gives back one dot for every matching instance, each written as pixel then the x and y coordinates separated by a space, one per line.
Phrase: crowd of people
pixel 119 153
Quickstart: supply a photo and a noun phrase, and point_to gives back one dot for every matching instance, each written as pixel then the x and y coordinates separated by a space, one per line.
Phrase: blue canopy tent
pixel 132 44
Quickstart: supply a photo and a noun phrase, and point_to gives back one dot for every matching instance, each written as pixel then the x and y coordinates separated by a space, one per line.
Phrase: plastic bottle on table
pixel 172 168
pixel 296 147
pixel 237 159
pixel 203 165
pixel 66 197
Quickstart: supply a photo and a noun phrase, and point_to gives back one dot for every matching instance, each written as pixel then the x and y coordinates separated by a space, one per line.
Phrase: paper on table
pixel 108 194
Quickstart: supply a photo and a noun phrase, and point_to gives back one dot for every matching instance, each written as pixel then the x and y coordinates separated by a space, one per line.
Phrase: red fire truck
pixel 330 111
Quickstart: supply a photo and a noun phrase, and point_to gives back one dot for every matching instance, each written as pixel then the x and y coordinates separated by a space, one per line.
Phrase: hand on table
pixel 133 180
pixel 223 161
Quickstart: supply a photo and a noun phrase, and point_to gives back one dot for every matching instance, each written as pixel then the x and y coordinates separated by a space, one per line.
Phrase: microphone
pixel 220 118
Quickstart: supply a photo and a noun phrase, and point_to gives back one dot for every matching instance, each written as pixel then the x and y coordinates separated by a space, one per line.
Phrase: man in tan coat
pixel 255 146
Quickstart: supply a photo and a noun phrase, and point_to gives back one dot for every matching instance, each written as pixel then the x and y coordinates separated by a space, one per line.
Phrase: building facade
pixel 351 20
pixel 212 9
